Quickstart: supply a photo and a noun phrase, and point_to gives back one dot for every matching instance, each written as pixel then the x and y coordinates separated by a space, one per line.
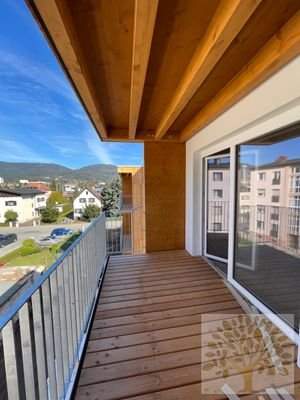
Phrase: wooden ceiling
pixel 164 69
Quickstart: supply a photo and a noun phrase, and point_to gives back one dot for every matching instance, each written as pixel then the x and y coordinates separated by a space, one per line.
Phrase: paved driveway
pixel 33 232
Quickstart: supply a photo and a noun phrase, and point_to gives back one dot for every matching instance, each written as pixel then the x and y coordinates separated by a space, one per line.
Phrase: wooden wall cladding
pixel 164 171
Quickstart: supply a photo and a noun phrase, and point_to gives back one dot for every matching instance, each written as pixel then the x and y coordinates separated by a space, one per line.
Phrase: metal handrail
pixel 44 331
pixel 31 290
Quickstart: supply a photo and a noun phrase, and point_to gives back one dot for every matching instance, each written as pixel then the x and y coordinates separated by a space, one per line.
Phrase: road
pixel 33 232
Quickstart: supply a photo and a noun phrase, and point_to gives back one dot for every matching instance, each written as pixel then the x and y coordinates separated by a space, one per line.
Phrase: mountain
pixel 37 171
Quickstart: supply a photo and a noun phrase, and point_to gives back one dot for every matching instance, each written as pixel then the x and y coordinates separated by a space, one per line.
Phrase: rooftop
pixel 20 192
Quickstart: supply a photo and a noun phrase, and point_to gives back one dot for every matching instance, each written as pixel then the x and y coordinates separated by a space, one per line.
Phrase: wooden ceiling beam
pixel 282 48
pixel 226 23
pixel 144 22
pixel 53 24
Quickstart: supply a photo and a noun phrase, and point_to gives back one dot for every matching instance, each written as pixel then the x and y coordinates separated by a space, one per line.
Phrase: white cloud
pixel 99 149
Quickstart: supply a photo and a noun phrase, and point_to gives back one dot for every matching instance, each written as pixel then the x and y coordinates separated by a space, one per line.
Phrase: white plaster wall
pixel 25 207
pixel 86 195
pixel 272 105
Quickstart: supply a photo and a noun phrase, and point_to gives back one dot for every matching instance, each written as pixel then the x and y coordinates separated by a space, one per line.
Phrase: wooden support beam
pixel 144 22
pixel 227 22
pixel 283 47
pixel 53 25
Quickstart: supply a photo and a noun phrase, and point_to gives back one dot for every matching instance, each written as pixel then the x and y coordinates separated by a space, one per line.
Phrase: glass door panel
pixel 267 245
pixel 217 209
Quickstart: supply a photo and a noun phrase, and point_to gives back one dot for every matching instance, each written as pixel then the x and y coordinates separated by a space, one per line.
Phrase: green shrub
pixel 29 247
pixel 50 214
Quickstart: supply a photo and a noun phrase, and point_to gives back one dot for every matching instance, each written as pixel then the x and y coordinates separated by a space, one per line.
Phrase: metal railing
pixel 125 234
pixel 276 226
pixel 43 333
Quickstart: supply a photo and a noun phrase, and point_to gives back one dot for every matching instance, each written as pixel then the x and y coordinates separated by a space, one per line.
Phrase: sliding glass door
pixel 267 228
pixel 217 189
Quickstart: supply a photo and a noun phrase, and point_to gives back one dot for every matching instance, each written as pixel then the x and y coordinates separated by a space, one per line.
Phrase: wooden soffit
pixel 161 70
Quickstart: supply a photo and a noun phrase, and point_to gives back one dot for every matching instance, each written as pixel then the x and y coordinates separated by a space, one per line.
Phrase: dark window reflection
pixel 267 255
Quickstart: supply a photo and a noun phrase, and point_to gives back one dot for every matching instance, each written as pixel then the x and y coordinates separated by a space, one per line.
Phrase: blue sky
pixel 41 119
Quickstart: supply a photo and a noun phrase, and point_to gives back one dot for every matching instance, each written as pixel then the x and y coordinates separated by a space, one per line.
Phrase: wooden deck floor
pixel 148 335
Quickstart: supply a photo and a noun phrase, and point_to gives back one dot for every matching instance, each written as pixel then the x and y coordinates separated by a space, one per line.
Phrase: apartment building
pixel 28 203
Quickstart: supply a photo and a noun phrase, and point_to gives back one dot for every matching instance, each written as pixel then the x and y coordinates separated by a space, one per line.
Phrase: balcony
pixel 123 327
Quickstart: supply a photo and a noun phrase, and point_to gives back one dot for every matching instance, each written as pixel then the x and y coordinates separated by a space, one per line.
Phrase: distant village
pixel 26 200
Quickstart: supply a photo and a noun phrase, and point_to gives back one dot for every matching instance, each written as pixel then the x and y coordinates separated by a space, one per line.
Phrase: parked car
pixel 7 239
pixel 46 241
pixel 61 232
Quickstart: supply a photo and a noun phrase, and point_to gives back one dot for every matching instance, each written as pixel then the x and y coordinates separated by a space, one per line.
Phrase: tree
pixel 55 198
pixel 110 196
pixel 11 216
pixel 91 211
pixel 50 214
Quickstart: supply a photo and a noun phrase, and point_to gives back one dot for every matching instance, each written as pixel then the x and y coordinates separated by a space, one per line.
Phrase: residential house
pixel 194 81
pixel 28 203
pixel 85 198
pixel 39 186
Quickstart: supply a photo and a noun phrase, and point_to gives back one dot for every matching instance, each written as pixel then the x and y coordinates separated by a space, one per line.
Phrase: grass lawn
pixel 46 257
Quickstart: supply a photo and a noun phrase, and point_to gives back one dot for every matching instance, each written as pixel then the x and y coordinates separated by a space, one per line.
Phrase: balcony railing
pixel 43 333
pixel 278 226
pixel 125 234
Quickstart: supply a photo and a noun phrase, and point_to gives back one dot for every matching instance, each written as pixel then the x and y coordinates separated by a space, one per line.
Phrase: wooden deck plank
pixel 148 332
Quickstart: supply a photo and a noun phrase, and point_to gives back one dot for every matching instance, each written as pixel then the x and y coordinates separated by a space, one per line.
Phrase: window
pixel 245 197
pixel 275 196
pixel 260 224
pixel 274 230
pixel 261 176
pixel 295 201
pixel 218 194
pixel 261 192
pixel 91 200
pixel 261 209
pixel 276 178
pixel 263 254
pixel 217 226
pixel 218 176
pixel 10 203
pixel 86 192
pixel 295 184
pixel 275 213
pixel 82 200
pixel 40 199
pixel 294 222
pixel 217 210
pixel 78 210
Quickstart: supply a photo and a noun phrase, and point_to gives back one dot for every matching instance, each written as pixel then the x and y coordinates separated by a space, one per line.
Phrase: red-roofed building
pixel 39 186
